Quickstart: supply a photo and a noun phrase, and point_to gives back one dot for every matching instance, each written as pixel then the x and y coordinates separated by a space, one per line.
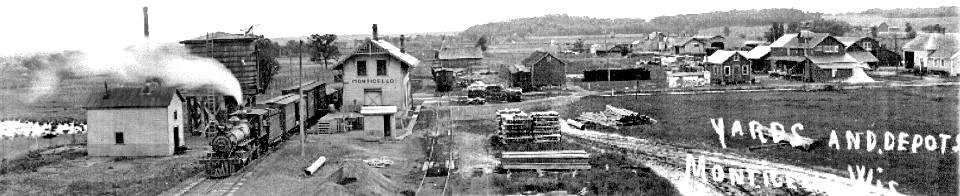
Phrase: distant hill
pixel 562 24
pixel 939 12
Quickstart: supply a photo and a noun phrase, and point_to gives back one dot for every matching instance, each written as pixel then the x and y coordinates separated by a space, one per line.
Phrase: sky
pixel 55 25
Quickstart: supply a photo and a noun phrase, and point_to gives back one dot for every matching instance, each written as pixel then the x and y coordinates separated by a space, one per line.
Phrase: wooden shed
pixel 459 57
pixel 729 67
pixel 545 69
pixel 520 77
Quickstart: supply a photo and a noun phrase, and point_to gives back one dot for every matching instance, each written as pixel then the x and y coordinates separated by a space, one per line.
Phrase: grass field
pixel 685 121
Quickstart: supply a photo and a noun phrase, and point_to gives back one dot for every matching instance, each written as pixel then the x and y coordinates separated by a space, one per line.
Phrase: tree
pixel 910 32
pixel 873 31
pixel 936 28
pixel 793 27
pixel 775 32
pixel 833 27
pixel 322 48
pixel 482 43
pixel 578 46
pixel 726 31
pixel 267 52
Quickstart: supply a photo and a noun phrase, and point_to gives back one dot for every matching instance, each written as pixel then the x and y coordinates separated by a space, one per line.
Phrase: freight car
pixel 250 132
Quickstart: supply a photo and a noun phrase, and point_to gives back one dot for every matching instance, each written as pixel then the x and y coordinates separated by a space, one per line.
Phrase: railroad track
pixel 675 157
pixel 221 187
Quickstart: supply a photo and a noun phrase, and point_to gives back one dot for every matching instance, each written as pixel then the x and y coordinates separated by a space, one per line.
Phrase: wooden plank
pixel 546 156
pixel 546 166
pixel 545 152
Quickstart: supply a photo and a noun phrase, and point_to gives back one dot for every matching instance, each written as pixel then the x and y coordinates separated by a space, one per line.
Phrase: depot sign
pixel 373 81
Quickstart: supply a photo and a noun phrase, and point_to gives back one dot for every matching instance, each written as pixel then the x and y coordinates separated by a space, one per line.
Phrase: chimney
pixel 375 33
pixel 146 23
pixel 106 91
pixel 402 39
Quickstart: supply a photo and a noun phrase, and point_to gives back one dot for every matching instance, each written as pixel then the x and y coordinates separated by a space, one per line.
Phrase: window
pixel 696 45
pixel 361 68
pixel 381 67
pixel 118 137
pixel 727 71
pixel 868 46
pixel 736 57
pixel 745 70
pixel 174 115
pixel 797 51
pixel 831 49
pixel 373 96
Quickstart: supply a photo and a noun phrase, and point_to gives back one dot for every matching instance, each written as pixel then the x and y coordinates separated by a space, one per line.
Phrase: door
pixel 176 137
pixel 386 126
pixel 908 59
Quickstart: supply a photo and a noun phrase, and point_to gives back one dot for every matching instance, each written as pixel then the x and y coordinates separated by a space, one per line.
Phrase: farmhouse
pixel 758 57
pixel 459 57
pixel 698 45
pixel 812 57
pixel 376 83
pixel 729 67
pixel 934 52
pixel 864 49
pixel 145 121
pixel 545 69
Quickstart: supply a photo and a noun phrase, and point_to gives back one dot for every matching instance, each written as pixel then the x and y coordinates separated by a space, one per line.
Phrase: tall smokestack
pixel 375 32
pixel 146 23
pixel 402 39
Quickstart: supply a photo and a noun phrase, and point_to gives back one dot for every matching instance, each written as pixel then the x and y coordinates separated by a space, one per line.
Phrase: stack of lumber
pixel 544 160
pixel 515 126
pixel 546 126
pixel 614 117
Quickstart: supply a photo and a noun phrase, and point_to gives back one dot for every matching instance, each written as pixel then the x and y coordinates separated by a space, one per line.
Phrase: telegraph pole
pixel 303 112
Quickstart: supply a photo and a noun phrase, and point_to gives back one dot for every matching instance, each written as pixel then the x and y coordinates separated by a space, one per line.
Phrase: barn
pixel 520 77
pixel 460 57
pixel 377 74
pixel 729 67
pixel 145 121
pixel 545 69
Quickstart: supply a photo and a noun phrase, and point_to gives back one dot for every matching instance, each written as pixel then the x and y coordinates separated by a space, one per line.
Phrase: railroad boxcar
pixel 288 106
pixel 313 94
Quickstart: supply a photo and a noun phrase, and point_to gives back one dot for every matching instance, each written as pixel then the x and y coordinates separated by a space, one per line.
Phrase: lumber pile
pixel 614 117
pixel 515 126
pixel 545 160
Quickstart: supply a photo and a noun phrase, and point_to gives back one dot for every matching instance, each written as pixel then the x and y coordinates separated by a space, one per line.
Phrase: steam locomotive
pixel 250 132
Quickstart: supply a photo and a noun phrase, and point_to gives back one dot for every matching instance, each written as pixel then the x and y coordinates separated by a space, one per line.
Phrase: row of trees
pixel 562 24
pixel 944 11
pixel 833 27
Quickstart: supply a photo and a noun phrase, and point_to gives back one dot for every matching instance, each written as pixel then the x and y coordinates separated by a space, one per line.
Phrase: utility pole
pixel 303 112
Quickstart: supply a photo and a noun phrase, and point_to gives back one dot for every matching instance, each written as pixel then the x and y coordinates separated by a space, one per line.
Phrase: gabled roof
pixel 943 45
pixel 407 59
pixel 848 41
pixel 220 37
pixel 133 97
pixel 758 52
pixel 537 56
pixel 790 40
pixel 460 53
pixel 283 99
pixel 863 56
pixel 518 68
pixel 721 56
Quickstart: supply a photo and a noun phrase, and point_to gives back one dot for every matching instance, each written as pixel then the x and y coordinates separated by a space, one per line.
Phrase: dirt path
pixel 673 159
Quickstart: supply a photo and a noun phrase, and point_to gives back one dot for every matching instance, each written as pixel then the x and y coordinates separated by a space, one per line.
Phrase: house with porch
pixel 812 57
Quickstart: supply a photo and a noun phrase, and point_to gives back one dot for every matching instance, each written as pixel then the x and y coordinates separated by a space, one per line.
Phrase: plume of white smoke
pixel 173 64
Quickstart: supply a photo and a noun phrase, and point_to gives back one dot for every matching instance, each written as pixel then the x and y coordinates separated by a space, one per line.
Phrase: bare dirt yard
pixel 684 121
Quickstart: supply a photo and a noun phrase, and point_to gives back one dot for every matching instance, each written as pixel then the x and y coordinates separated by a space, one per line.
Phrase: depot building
pixel 376 84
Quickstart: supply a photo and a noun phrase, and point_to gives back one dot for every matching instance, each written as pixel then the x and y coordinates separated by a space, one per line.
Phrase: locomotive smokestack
pixel 146 23
pixel 375 32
